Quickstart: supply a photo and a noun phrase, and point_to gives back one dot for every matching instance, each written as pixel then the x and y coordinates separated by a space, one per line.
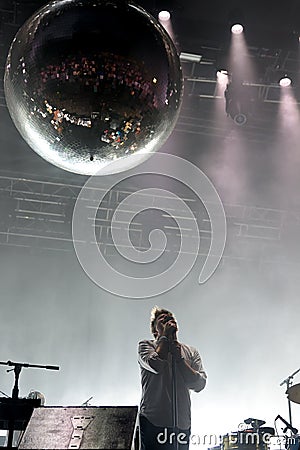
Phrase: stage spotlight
pixel 222 76
pixel 285 81
pixel 164 16
pixel 237 28
pixel 222 81
pixel 190 57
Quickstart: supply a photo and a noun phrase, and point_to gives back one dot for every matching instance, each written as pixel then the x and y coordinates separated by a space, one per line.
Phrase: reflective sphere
pixel 88 82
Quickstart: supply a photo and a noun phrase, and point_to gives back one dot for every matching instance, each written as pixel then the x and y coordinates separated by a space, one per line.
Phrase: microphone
pixel 171 337
pixel 288 425
pixel 169 318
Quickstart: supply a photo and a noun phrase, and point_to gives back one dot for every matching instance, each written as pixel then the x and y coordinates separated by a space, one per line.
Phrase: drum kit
pixel 254 436
pixel 293 393
pixel 251 436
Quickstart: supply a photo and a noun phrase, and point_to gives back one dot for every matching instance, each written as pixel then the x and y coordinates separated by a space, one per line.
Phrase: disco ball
pixel 88 82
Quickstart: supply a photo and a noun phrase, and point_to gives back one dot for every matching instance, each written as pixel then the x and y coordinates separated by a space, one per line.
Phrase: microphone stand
pixel 86 403
pixel 174 399
pixel 174 403
pixel 17 367
pixel 288 382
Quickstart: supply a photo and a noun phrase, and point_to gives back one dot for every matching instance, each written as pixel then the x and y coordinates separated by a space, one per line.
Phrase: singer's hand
pixel 166 326
pixel 170 328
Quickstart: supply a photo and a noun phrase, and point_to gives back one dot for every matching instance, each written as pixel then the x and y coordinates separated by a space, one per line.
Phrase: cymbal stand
pixel 17 367
pixel 289 381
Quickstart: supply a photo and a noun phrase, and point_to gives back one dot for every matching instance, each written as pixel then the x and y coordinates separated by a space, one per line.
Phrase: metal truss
pixel 200 73
pixel 37 215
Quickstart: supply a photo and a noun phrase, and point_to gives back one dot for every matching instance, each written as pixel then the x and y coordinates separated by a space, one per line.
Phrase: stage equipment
pixel 174 402
pixel 16 410
pixel 87 402
pixel 92 82
pixel 85 428
pixel 293 443
pixel 237 28
pixel 164 16
pixel 37 395
pixel 293 393
pixel 255 423
pixel 246 440
pixel 288 425
pixel 257 426
pixel 255 437
pixel 288 381
pixel 285 81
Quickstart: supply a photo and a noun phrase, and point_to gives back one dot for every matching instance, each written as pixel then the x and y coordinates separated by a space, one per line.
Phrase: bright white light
pixel 285 82
pixel 222 76
pixel 222 81
pixel 237 28
pixel 164 16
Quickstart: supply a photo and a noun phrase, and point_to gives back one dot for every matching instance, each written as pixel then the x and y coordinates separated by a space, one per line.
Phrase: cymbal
pixel 293 393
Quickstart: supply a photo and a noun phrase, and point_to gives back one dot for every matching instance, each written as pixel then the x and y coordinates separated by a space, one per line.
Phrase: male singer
pixel 162 361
